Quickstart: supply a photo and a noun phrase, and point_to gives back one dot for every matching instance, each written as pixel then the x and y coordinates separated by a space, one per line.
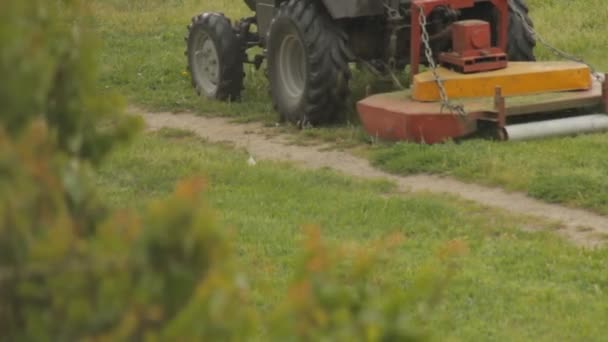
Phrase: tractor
pixel 309 44
pixel 309 47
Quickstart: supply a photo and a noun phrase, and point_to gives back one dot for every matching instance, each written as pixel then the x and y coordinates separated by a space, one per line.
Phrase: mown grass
pixel 143 59
pixel 571 171
pixel 513 285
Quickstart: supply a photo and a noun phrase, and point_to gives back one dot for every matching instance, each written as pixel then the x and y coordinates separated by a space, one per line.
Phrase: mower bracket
pixel 605 93
pixel 427 6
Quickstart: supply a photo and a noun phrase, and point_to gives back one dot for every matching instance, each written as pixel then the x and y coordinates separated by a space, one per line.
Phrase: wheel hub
pixel 292 66
pixel 206 64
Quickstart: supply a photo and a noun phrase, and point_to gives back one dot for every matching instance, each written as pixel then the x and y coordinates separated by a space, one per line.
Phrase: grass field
pixel 513 285
pixel 571 171
pixel 143 59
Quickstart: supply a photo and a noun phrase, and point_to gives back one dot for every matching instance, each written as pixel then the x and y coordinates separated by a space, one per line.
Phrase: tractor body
pixel 309 46
pixel 379 32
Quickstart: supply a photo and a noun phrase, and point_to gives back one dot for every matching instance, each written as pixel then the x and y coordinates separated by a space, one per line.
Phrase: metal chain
pixel 555 50
pixel 445 101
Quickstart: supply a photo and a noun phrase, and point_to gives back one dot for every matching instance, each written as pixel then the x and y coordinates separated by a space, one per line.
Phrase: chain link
pixel 555 50
pixel 428 52
pixel 459 109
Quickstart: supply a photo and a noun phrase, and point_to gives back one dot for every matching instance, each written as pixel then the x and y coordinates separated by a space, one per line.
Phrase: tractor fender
pixel 338 9
pixel 353 8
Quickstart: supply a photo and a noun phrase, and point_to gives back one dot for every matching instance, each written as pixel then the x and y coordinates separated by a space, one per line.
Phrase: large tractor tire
pixel 521 42
pixel 307 64
pixel 214 57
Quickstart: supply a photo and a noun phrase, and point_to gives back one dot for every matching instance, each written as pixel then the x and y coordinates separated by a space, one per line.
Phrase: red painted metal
pixel 427 6
pixel 470 35
pixel 492 59
pixel 395 116
pixel 501 108
pixel 501 117
pixel 472 49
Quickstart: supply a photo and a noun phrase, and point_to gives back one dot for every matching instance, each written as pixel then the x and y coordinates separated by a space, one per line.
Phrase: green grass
pixel 513 286
pixel 143 59
pixel 577 27
pixel 570 171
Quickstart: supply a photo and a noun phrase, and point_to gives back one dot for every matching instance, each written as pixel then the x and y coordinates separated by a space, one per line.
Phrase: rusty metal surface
pixel 501 108
pixel 472 34
pixel 472 48
pixel 493 59
pixel 427 6
pixel 605 92
pixel 395 116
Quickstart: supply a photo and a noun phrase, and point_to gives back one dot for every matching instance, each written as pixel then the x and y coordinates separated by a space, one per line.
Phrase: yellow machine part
pixel 519 78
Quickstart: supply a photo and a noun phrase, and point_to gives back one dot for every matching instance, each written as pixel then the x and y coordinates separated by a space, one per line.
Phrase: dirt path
pixel 582 227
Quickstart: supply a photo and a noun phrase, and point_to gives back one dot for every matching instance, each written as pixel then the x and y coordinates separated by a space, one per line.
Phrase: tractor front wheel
pixel 214 57
pixel 307 64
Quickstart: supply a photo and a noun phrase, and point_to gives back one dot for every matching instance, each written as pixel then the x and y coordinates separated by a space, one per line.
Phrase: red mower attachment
pixel 511 100
pixel 397 117
pixel 472 49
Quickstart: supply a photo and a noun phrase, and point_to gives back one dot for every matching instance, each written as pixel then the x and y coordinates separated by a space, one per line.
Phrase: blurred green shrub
pixel 71 269
pixel 335 297
pixel 49 69
pixel 66 275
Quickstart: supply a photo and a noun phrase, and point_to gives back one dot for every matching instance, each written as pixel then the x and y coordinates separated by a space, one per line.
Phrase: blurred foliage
pixel 48 63
pixel 168 273
pixel 335 296
pixel 71 269
pixel 69 275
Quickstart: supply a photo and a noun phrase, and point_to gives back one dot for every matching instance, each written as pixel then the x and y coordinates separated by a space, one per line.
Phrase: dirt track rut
pixel 582 227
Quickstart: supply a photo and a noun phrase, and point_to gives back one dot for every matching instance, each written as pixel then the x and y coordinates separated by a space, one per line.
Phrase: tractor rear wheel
pixel 521 42
pixel 307 64
pixel 214 57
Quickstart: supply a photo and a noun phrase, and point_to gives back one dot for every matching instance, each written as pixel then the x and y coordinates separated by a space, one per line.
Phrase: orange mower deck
pixel 492 97
pixel 519 78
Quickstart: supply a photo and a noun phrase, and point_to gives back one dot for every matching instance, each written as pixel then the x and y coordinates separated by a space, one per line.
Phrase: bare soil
pixel 582 227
